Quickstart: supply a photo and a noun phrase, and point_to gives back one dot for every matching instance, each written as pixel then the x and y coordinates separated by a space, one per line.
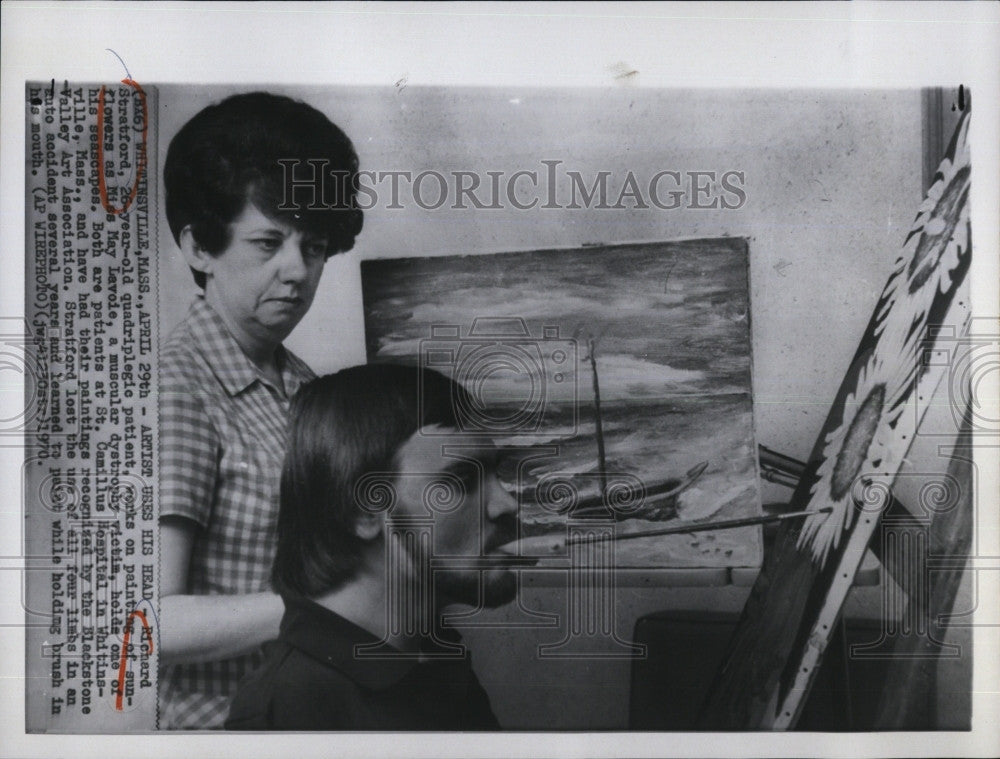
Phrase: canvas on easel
pixel 778 645
pixel 631 363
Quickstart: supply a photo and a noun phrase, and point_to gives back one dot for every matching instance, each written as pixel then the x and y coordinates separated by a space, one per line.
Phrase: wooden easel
pixel 798 596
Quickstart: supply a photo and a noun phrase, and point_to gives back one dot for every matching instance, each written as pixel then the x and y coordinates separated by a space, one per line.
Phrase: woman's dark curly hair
pixel 231 153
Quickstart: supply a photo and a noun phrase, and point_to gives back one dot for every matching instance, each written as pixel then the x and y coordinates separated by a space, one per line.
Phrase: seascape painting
pixel 616 379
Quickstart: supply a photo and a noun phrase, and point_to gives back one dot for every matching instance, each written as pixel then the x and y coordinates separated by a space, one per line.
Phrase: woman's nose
pixel 292 261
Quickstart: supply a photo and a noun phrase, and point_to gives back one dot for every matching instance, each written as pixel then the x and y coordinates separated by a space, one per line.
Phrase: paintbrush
pixel 554 544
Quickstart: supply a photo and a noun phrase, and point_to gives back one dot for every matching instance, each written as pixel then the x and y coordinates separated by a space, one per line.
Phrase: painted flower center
pixel 937 233
pixel 859 436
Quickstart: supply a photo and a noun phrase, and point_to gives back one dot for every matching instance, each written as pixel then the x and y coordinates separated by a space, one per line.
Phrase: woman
pixel 226 379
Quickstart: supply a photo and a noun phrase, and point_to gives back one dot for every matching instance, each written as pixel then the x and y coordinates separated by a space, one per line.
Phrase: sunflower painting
pixel 926 277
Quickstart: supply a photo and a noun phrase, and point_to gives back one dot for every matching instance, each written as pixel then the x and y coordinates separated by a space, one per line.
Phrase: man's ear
pixel 368 526
pixel 196 256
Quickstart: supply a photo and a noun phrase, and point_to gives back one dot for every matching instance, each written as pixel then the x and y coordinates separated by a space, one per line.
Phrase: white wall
pixel 832 182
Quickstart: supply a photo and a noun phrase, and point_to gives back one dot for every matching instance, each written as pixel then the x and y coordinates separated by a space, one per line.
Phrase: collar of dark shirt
pixel 328 637
pixel 230 364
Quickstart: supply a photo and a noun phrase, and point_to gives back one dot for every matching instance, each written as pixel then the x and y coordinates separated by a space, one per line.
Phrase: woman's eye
pixel 315 249
pixel 267 244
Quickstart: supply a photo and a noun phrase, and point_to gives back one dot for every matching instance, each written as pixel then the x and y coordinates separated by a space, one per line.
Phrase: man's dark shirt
pixel 311 679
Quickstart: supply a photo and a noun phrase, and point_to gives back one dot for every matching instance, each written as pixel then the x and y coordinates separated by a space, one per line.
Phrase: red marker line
pixel 123 663
pixel 102 186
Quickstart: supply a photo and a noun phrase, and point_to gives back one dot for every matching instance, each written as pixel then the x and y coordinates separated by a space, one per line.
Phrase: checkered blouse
pixel 222 441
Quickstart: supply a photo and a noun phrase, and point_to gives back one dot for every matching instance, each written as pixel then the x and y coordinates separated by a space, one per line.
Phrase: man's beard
pixel 499 586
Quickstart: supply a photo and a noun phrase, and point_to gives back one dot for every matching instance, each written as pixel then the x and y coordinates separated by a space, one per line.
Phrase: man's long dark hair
pixel 344 426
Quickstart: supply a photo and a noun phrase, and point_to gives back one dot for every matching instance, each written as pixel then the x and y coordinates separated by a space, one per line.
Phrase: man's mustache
pixel 504 531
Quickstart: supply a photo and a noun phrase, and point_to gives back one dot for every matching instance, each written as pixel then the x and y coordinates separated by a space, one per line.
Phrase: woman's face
pixel 265 280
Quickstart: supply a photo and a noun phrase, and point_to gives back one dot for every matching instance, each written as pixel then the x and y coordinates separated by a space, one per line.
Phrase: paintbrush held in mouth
pixel 553 545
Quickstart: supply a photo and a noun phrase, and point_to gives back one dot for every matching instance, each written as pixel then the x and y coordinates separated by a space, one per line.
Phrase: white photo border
pixel 561 45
